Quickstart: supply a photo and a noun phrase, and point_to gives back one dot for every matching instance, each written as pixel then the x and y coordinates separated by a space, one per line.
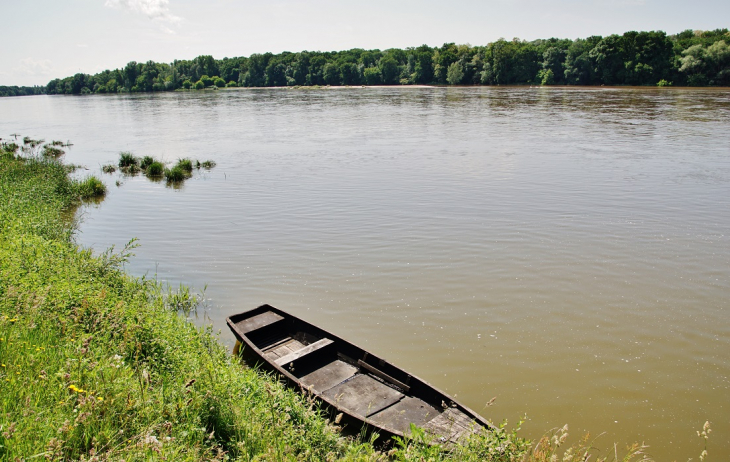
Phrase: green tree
pixel 388 70
pixel 371 75
pixel 455 74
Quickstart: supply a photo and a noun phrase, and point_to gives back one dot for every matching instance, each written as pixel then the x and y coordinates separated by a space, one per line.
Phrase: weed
pixel 127 159
pixel 146 162
pixel 185 165
pixel 91 187
pixel 108 168
pixel 175 174
pixel 155 169
pixel 208 164
pixel 51 151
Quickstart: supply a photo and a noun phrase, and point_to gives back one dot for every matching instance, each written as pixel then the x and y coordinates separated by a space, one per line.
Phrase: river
pixel 565 250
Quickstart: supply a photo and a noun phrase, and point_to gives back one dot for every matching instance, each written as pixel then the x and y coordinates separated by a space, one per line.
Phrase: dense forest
pixel 21 91
pixel 692 58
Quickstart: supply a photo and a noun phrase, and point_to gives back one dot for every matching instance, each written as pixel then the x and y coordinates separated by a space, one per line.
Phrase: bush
pixel 155 169
pixel 207 81
pixel 231 84
pixel 199 85
pixel 220 83
pixel 187 84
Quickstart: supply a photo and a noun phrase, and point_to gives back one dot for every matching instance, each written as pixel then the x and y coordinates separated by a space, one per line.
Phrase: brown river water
pixel 566 251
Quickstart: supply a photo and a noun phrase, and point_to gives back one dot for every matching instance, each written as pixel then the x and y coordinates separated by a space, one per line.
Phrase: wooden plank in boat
pixel 451 424
pixel 257 322
pixel 402 414
pixel 363 395
pixel 312 347
pixel 284 348
pixel 328 376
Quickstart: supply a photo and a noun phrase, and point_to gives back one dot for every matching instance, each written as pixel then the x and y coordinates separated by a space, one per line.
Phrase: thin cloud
pixel 156 10
pixel 33 68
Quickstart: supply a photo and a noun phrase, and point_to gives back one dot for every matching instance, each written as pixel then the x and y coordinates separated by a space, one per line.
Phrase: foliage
pixel 186 165
pixel 146 162
pixel 127 159
pixel 633 58
pixel 155 169
pixel 108 168
pixel 91 187
pixel 21 91
pixel 175 174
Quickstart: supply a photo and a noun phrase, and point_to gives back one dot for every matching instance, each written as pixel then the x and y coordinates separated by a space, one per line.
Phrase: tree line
pixel 692 58
pixel 21 91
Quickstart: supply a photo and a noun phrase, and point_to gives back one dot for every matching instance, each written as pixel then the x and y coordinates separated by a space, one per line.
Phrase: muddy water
pixel 565 250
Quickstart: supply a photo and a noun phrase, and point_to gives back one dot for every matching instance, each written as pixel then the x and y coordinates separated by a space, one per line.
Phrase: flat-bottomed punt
pixel 366 390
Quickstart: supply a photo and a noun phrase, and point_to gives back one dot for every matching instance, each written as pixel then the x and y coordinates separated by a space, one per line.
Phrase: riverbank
pixel 98 365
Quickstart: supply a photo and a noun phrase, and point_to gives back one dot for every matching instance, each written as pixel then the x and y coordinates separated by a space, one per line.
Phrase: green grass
pixel 91 187
pixel 146 162
pixel 155 169
pixel 175 174
pixel 51 151
pixel 98 365
pixel 127 159
pixel 186 165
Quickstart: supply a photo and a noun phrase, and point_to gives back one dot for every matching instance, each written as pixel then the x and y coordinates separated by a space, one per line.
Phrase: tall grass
pixel 127 159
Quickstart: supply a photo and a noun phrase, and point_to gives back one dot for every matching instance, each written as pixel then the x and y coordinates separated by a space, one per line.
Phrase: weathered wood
pixel 257 322
pixel 328 376
pixel 283 348
pixel 363 395
pixel 312 347
pixel 383 375
pixel 450 425
pixel 409 410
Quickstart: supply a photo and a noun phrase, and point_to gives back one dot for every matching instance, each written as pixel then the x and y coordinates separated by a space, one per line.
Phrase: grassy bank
pixel 98 365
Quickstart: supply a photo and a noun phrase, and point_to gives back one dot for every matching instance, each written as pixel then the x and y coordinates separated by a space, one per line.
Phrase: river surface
pixel 566 251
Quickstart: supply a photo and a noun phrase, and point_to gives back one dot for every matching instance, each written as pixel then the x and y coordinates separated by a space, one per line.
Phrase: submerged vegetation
pixel 695 58
pixel 153 168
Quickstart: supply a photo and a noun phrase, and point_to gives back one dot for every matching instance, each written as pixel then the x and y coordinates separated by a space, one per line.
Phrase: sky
pixel 46 39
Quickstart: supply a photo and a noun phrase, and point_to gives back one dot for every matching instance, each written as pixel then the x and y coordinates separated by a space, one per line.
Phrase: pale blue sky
pixel 43 39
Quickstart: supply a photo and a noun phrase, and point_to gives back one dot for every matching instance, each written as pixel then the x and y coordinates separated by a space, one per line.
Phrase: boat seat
pixel 311 348
pixel 257 322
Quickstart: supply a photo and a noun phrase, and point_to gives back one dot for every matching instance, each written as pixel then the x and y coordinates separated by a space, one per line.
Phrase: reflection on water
pixel 565 250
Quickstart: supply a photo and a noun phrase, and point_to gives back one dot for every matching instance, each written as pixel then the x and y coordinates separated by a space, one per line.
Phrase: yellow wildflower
pixel 76 389
pixel 100 398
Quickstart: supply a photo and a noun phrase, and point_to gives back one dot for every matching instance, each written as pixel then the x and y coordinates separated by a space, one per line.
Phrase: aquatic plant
pixel 155 169
pixel 208 164
pixel 91 187
pixel 175 174
pixel 146 162
pixel 108 168
pixel 127 159
pixel 50 151
pixel 185 165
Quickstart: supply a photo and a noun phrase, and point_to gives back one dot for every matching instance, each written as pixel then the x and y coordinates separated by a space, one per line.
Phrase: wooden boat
pixel 361 389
